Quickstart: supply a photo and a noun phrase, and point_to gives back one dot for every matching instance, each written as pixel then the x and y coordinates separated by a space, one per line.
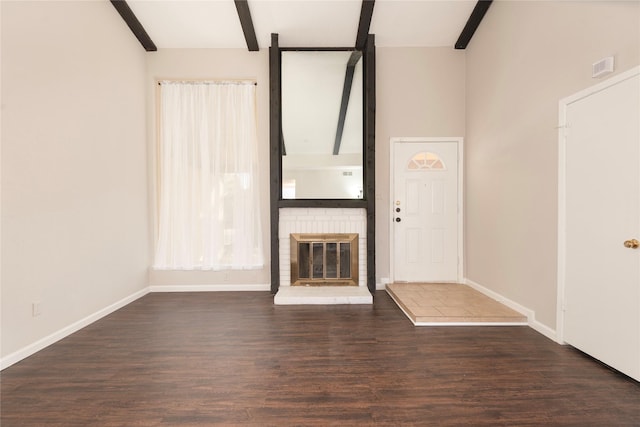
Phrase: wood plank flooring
pixel 202 359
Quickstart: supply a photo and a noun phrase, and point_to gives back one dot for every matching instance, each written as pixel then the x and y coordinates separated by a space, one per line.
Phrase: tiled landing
pixel 450 304
pixel 319 295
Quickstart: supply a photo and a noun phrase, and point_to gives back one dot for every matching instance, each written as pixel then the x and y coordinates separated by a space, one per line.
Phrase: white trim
pixel 470 323
pixel 33 348
pixel 460 142
pixel 544 330
pixel 562 227
pixel 501 299
pixel 600 86
pixel 382 284
pixel 562 191
pixel 531 315
pixel 210 288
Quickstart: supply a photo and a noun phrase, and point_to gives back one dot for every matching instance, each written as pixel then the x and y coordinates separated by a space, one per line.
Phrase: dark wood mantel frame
pixel 276 148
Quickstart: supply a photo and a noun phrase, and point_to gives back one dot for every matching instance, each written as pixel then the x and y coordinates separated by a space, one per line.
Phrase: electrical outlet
pixel 36 308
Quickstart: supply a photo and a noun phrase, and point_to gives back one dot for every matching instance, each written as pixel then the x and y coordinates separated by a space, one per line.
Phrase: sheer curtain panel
pixel 209 211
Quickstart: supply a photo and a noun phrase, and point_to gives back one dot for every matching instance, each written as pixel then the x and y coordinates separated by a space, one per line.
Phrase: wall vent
pixel 602 67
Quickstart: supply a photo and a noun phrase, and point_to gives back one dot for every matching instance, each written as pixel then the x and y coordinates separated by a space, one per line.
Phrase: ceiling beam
pixel 283 146
pixel 472 24
pixel 134 25
pixel 366 13
pixel 346 93
pixel 242 6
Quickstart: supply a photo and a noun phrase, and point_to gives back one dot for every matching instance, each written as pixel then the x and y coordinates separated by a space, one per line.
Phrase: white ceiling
pixel 301 23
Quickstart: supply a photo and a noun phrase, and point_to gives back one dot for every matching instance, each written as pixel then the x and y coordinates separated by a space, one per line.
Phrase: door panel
pixel 425 227
pixel 437 197
pixel 602 276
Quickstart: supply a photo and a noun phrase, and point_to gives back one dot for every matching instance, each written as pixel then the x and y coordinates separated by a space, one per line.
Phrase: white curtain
pixel 209 212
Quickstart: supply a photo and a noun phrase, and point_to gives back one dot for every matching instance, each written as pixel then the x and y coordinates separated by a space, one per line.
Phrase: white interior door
pixel 425 211
pixel 602 211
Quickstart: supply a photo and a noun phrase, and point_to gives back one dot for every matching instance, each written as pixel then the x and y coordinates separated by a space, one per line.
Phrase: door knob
pixel 398 220
pixel 631 244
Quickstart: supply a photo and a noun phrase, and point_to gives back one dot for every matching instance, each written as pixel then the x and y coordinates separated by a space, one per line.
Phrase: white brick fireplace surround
pixel 322 220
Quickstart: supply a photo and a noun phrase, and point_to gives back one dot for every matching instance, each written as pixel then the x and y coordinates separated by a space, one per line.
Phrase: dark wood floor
pixel 204 359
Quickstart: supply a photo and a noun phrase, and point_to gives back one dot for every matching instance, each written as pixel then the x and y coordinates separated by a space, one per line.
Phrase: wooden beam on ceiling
pixel 242 6
pixel 283 147
pixel 354 58
pixel 366 13
pixel 472 24
pixel 134 25
pixel 346 93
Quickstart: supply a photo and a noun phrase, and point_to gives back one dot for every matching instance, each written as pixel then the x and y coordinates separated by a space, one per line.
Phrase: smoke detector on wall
pixel 602 67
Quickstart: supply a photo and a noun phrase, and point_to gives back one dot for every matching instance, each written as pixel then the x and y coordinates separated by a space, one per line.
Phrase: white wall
pixel 419 92
pixel 213 64
pixel 524 58
pixel 74 196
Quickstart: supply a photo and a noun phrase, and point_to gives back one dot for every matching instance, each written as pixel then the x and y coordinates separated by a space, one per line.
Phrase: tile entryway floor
pixel 450 304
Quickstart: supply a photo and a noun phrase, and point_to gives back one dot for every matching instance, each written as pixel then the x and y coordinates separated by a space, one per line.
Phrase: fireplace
pixel 324 259
pixel 328 222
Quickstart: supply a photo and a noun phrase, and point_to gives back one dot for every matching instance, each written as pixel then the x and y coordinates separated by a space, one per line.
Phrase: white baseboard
pixel 545 330
pixel 382 284
pixel 210 288
pixel 501 299
pixel 531 315
pixel 27 351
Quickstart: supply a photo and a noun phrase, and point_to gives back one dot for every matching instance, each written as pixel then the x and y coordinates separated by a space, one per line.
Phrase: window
pixel 426 160
pixel 208 198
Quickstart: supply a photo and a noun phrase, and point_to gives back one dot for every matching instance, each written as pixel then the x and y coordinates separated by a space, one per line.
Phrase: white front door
pixel 425 211
pixel 601 307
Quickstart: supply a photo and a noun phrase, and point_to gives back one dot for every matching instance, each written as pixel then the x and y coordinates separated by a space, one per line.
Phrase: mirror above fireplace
pixel 322 118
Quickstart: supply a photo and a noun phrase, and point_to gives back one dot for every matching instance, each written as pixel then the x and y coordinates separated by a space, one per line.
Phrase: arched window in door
pixel 426 160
